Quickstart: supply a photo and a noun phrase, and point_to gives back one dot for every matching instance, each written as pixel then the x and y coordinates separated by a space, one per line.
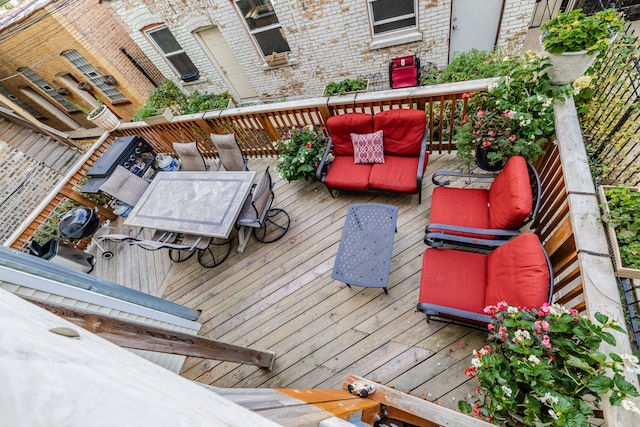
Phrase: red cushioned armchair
pixel 404 148
pixel 459 284
pixel 481 217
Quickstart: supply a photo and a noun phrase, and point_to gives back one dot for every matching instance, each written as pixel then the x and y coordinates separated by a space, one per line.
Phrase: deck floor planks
pixel 281 297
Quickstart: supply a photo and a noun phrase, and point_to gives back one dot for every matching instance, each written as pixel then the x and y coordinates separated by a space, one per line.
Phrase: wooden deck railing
pixel 568 222
pixel 257 129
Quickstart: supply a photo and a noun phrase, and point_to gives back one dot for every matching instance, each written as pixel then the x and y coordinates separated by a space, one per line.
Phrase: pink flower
pixel 545 309
pixel 481 113
pixel 491 132
pixel 541 325
pixel 502 331
pixel 464 120
pixel 490 309
pixel 486 144
pixel 512 138
pixel 502 306
pixel 467 95
pixel 508 113
pixel 546 341
pixel 490 327
pixel 573 312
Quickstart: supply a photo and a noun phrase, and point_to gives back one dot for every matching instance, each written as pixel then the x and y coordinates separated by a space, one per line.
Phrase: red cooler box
pixel 404 71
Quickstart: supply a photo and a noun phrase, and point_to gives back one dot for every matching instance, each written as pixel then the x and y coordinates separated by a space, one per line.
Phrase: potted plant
pixel 197 102
pixel 621 205
pixel 543 367
pixel 514 117
pixel 301 150
pixel 572 41
pixel 100 115
pixel 346 86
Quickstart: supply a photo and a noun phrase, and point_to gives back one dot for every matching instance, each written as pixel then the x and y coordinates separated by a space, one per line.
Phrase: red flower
pixel 470 371
pixel 308 145
pixel 467 95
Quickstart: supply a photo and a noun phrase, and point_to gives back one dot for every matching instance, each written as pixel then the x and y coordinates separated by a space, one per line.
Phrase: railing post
pixel 598 278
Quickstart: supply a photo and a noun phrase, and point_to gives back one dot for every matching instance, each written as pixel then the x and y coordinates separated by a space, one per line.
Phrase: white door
pixel 474 24
pixel 226 63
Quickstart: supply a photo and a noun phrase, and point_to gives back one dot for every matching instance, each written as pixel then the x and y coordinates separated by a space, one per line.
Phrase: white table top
pixel 201 203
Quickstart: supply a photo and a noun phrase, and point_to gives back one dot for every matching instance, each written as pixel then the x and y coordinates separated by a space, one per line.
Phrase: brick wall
pixel 24 183
pixel 330 40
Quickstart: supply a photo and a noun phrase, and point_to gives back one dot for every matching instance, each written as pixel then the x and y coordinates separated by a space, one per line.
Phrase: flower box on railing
pixel 276 59
pixel 621 269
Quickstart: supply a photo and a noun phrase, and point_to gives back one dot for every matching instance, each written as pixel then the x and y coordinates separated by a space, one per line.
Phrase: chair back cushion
pixel 229 151
pixel 341 127
pixel 124 186
pixel 510 196
pixel 518 273
pixel 190 157
pixel 403 130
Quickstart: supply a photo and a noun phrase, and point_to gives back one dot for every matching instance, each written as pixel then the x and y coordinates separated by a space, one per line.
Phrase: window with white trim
pixel 388 16
pixel 97 79
pixel 173 53
pixel 35 78
pixel 264 27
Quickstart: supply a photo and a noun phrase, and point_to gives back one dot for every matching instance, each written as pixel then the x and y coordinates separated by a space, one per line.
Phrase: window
pixel 173 53
pixel 263 25
pixel 392 15
pixel 22 104
pixel 81 64
pixel 35 78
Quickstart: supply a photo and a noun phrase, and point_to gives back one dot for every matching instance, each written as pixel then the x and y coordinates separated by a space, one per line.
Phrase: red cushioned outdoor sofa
pixel 393 160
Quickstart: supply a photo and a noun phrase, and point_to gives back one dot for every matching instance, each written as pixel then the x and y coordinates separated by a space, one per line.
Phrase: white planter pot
pixel 105 120
pixel 568 66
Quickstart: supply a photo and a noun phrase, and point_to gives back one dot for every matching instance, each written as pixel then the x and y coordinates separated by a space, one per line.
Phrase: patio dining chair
pixel 480 217
pixel 459 284
pixel 190 157
pixel 258 217
pixel 125 186
pixel 229 153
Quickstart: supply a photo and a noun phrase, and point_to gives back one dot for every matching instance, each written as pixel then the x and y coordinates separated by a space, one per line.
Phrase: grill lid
pixel 78 223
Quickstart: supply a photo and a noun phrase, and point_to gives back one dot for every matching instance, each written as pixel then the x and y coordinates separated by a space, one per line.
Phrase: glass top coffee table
pixel 364 252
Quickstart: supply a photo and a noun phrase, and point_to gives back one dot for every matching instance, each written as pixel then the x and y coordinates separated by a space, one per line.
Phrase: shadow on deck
pixel 281 297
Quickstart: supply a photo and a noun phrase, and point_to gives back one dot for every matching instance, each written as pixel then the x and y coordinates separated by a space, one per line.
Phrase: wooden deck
pixel 281 297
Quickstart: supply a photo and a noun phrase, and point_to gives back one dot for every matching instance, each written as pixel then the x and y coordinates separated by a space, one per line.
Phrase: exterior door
pixel 474 24
pixel 226 63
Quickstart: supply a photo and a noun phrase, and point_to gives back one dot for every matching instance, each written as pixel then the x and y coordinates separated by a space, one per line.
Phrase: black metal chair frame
pixel 439 238
pixel 263 218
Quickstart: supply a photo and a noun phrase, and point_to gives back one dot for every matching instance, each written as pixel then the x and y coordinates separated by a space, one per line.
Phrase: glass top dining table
pixel 200 203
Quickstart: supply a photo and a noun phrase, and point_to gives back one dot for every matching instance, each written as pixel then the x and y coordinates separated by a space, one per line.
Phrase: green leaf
pixel 464 406
pixel 601 318
pixel 624 386
pixel 579 363
pixel 601 384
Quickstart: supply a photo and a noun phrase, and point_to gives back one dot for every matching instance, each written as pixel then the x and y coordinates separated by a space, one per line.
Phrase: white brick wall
pixel 329 39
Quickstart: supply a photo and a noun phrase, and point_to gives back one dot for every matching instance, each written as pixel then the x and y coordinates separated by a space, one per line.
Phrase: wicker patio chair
pixel 190 157
pixel 258 217
pixel 229 153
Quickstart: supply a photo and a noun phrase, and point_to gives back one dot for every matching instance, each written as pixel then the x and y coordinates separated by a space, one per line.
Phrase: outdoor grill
pixel 78 223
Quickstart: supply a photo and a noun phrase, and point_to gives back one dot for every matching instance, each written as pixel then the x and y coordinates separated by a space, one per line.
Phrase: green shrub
pixel 197 102
pixel 346 85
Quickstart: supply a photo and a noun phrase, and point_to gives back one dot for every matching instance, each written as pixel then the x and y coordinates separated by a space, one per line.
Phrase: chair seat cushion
pixel 510 195
pixel 517 272
pixel 466 207
pixel 344 174
pixel 454 279
pixel 398 174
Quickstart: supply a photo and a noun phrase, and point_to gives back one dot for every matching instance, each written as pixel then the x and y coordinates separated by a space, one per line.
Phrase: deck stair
pixel 40 147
